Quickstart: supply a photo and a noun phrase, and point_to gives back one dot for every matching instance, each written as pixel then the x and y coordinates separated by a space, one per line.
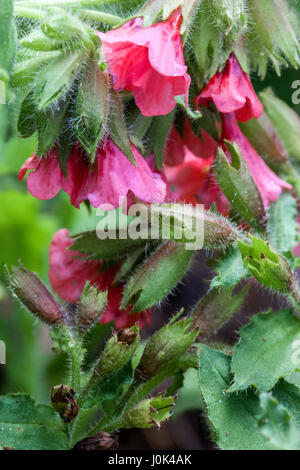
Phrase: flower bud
pixel 62 399
pixel 118 351
pixel 35 296
pixel 100 441
pixel 285 120
pixel 166 345
pixel 148 413
pixel 63 26
pixel 91 304
pixel 264 138
pixel 266 265
pixel 215 309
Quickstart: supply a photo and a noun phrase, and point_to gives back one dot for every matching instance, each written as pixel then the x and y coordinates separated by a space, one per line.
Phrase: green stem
pixel 28 12
pixel 137 391
pixel 100 17
pixel 77 356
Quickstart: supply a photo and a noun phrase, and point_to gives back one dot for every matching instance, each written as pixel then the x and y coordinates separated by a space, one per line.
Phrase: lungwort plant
pixel 150 104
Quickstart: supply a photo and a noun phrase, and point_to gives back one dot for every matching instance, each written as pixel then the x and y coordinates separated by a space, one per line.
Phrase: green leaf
pixel 56 78
pixel 88 243
pixel 272 29
pixel 117 127
pixel 230 270
pixel 49 126
pixel 216 308
pixel 237 184
pixel 232 416
pixel 27 121
pixel 26 425
pixel 157 276
pixel 282 224
pixel 91 108
pixel 265 350
pixel 285 120
pixel 25 71
pixel 264 138
pixel 180 100
pixel 7 35
pixel 189 396
pixel 276 425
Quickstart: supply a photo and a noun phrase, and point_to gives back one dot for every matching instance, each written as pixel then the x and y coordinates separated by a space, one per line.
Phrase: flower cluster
pixel 149 63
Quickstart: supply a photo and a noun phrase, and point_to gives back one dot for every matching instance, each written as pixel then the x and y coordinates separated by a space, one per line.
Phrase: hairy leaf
pixel 264 353
pixel 26 425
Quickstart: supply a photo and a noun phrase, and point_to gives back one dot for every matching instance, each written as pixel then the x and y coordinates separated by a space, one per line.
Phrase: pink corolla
pixel 149 62
pixel 174 151
pixel 268 183
pixel 188 169
pixel 69 273
pixel 112 178
pixel 231 91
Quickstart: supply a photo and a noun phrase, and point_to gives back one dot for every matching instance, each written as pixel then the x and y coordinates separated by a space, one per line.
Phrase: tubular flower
pixel 231 91
pixel 149 62
pixel 69 273
pixel 269 184
pixel 113 177
pixel 188 169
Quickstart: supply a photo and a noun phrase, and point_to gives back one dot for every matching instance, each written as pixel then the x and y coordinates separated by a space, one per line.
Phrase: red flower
pixel 113 177
pixel 269 184
pixel 232 91
pixel 68 275
pixel 188 169
pixel 149 62
pixel 175 146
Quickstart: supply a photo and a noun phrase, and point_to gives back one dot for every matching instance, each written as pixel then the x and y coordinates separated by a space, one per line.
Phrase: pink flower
pixel 187 177
pixel 149 62
pixel 232 91
pixel 69 273
pixel 188 169
pixel 269 184
pixel 174 151
pixel 113 177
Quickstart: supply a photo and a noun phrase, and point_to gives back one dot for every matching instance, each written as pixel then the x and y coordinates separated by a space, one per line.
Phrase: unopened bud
pixel 100 441
pixel 267 265
pixel 166 345
pixel 264 138
pixel 35 296
pixel 118 351
pixel 216 308
pixel 63 401
pixel 285 120
pixel 148 413
pixel 64 26
pixel 91 304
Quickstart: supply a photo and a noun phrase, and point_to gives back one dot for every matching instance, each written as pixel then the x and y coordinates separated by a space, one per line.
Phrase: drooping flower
pixel 231 91
pixel 69 273
pixel 268 183
pixel 149 62
pixel 188 169
pixel 112 178
pixel 174 151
